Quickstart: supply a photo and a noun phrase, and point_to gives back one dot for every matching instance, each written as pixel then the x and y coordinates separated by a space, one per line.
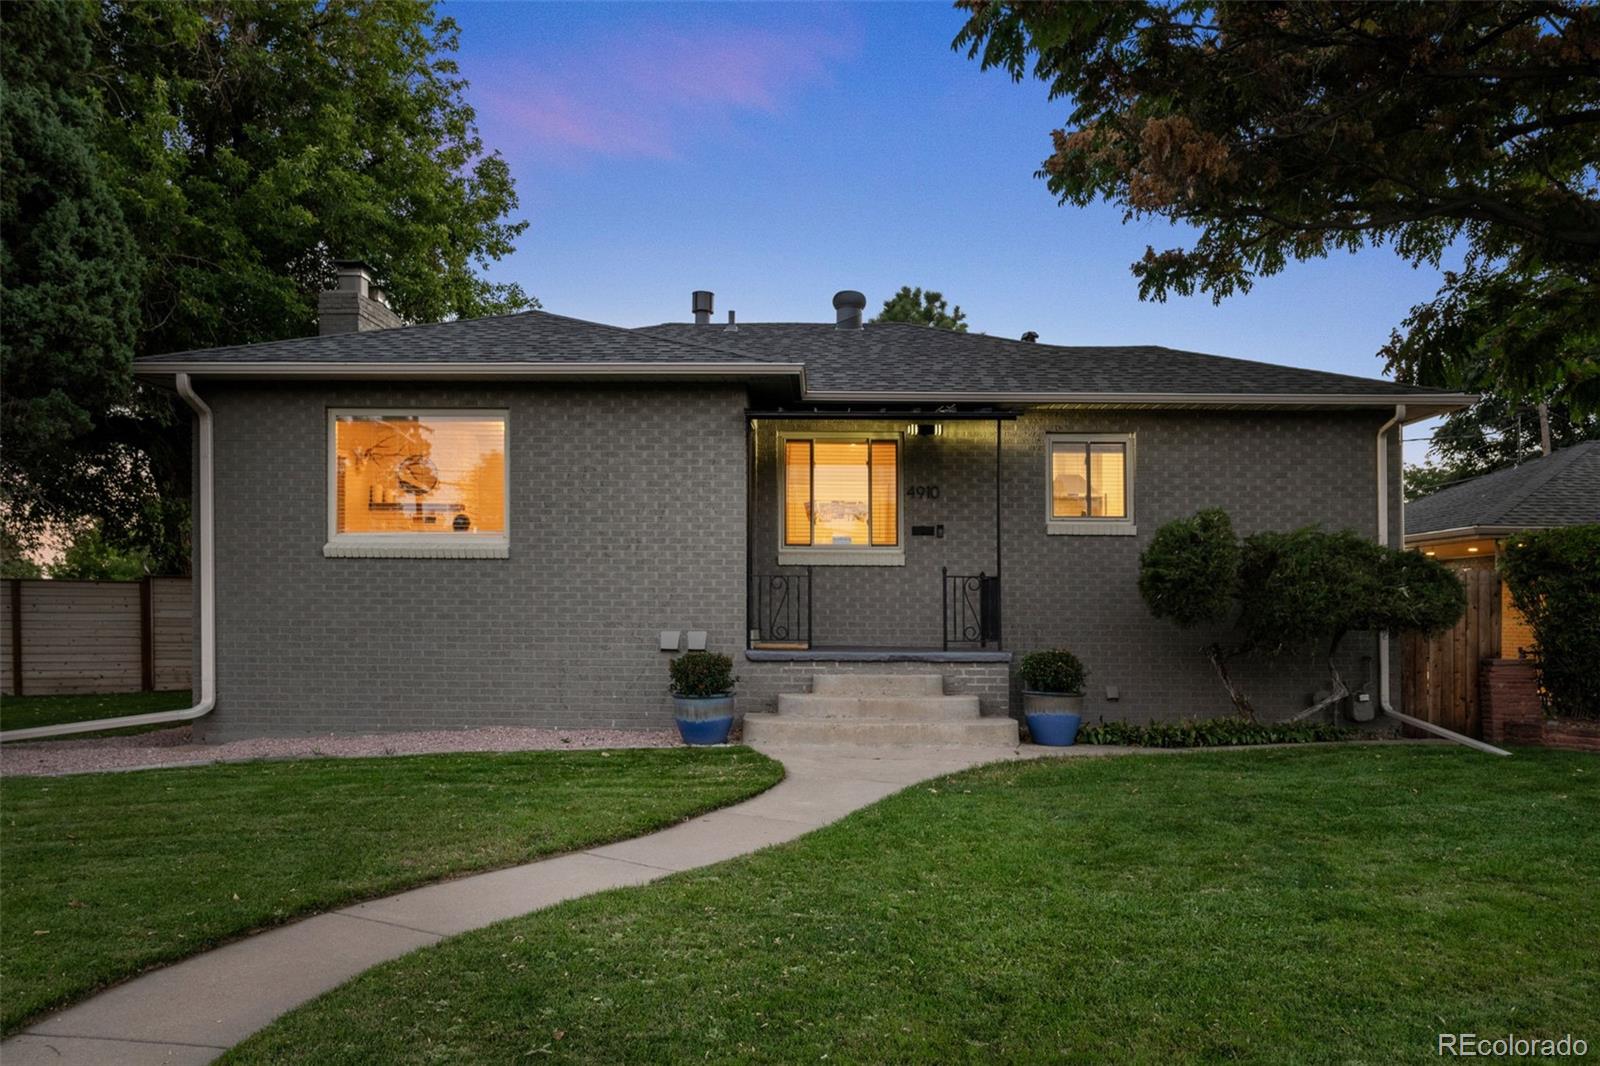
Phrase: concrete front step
pixel 899 708
pixel 973 733
pixel 877 685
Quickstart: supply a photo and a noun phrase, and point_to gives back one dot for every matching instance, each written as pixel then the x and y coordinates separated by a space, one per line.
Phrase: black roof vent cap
pixel 848 305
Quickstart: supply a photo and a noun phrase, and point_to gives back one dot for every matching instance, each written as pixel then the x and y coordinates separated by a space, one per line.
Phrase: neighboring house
pixel 1465 525
pixel 495 521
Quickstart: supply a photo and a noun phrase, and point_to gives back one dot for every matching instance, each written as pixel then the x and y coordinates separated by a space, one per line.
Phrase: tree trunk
pixel 1340 690
pixel 1219 657
pixel 1544 427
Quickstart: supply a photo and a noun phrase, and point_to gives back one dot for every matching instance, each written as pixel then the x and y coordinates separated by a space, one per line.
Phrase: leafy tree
pixel 14 559
pixel 69 269
pixel 925 308
pixel 1285 132
pixel 1189 575
pixel 1554 578
pixel 250 145
pixel 1287 592
pixel 90 557
pixel 1311 589
pixel 1492 434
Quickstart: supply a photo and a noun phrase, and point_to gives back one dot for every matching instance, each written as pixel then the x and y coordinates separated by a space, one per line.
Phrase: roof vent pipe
pixel 700 302
pixel 732 326
pixel 847 308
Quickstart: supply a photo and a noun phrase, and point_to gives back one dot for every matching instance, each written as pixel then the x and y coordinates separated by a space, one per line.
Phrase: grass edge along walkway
pixel 107 875
pixel 1266 906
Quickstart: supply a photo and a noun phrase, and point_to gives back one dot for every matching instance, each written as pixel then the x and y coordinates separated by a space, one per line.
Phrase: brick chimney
pixel 355 304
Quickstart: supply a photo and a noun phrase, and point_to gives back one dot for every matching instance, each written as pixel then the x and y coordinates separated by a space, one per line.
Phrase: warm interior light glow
pixel 420 474
pixel 1472 549
pixel 797 502
pixel 1089 480
pixel 1430 553
pixel 841 493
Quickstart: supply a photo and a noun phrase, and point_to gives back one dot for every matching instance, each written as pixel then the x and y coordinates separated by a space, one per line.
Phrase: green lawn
pixel 25 712
pixel 105 874
pixel 1279 906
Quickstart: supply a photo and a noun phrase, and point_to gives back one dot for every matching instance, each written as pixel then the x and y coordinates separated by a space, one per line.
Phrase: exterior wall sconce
pixel 925 429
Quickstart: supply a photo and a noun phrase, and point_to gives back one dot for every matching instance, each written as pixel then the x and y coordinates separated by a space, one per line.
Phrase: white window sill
pixel 842 557
pixel 1071 528
pixel 430 548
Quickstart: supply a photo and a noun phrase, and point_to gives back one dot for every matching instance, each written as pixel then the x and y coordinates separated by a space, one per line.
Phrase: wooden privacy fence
pixel 1439 678
pixel 96 636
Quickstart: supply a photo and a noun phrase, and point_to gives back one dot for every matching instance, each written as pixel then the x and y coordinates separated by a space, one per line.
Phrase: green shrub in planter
pixel 698 675
pixel 1055 671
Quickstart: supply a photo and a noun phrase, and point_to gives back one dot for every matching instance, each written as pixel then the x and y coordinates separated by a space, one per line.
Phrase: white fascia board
pixel 420 370
pixel 1160 399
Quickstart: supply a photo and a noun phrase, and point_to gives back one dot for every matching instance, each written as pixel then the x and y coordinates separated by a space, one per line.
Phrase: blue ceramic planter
pixel 1053 717
pixel 704 721
pixel 1054 730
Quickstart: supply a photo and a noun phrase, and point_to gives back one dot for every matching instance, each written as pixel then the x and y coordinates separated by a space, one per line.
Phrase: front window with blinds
pixel 417 482
pixel 1090 483
pixel 841 494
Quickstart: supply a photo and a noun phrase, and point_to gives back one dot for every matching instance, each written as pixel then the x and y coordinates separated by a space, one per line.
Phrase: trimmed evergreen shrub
pixel 1554 578
pixel 698 674
pixel 1057 670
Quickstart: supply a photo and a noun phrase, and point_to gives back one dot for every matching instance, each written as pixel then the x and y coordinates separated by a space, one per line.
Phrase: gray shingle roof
pixel 527 337
pixel 890 357
pixel 887 360
pixel 1560 489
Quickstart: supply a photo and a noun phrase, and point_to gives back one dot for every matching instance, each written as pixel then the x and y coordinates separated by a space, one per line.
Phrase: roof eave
pixel 417 371
pixel 1418 405
pixel 1428 536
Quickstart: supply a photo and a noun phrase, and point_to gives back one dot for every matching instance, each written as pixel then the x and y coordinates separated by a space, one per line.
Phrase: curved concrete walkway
pixel 192 1011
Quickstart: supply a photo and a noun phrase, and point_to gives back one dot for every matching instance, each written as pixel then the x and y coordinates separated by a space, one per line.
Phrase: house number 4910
pixel 930 492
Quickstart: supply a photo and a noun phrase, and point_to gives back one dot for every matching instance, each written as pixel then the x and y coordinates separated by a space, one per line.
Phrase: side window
pixel 1089 483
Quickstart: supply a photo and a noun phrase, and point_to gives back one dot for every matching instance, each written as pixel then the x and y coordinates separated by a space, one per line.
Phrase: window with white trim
pixel 1089 483
pixel 417 483
pixel 840 498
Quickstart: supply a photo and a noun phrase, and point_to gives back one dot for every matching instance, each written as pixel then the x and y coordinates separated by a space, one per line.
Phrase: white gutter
pixel 457 370
pixel 203 524
pixel 1383 636
pixel 1164 399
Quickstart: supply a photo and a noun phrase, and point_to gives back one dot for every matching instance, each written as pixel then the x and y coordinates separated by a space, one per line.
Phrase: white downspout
pixel 1383 635
pixel 204 527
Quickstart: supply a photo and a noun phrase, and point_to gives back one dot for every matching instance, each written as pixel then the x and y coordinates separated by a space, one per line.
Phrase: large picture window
pixel 430 483
pixel 1089 480
pixel 841 498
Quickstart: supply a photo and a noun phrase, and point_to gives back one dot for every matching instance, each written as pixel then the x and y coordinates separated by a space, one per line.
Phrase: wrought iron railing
pixel 780 609
pixel 971 609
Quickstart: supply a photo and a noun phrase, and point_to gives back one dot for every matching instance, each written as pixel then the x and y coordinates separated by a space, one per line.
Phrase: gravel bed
pixel 177 747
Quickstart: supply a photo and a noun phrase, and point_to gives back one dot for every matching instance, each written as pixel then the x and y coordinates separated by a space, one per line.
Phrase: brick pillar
pixel 1509 701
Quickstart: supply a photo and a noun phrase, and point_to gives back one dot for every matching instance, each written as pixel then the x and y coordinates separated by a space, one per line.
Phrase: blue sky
pixel 775 153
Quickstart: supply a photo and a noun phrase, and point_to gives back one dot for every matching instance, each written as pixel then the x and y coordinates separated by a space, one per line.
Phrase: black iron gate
pixel 971 608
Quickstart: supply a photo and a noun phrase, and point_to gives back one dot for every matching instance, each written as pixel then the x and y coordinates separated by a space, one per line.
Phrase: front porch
pixel 875 536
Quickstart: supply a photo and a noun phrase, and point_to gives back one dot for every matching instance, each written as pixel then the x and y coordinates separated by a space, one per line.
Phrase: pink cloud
pixel 645 93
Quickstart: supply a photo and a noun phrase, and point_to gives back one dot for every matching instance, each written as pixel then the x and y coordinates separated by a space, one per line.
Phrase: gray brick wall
pixel 626 519
pixel 1269 470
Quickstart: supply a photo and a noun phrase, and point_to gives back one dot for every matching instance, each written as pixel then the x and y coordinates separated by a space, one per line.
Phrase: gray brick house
pixel 496 521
